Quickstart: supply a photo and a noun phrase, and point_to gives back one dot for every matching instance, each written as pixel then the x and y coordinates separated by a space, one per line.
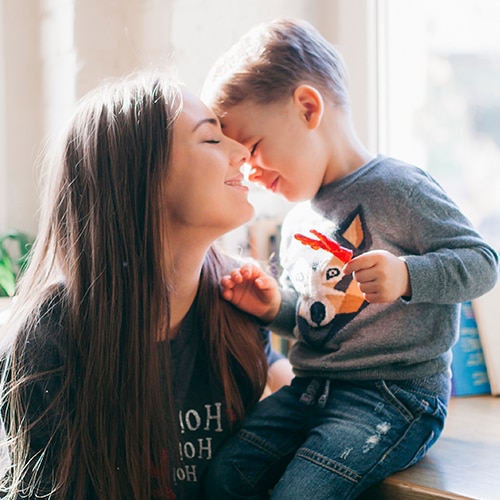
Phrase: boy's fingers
pixel 351 266
pixel 246 271
pixel 263 282
pixel 358 263
pixel 227 282
pixel 227 293
pixel 250 271
pixel 236 276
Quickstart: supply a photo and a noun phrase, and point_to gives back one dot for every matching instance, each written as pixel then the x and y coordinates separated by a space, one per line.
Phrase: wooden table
pixel 463 464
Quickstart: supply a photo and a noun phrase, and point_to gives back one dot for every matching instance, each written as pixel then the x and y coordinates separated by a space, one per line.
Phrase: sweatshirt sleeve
pixel 285 322
pixel 452 263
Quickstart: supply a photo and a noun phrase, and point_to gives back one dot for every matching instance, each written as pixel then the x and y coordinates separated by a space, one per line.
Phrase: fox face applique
pixel 329 299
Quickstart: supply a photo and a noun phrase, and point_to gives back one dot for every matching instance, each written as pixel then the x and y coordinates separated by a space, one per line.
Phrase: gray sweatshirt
pixel 384 205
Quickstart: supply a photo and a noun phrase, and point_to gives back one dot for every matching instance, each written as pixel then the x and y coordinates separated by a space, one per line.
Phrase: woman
pixel 125 369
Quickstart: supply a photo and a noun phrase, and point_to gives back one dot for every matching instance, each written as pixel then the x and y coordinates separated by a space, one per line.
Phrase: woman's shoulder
pixel 51 310
pixel 44 335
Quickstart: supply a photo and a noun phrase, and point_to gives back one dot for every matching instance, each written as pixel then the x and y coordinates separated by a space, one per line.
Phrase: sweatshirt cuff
pixel 284 322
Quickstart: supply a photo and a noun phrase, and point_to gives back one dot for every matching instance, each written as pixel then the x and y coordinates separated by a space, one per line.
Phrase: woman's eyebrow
pixel 211 121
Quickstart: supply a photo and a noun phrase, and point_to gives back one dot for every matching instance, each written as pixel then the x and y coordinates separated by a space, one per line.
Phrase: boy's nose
pixel 255 174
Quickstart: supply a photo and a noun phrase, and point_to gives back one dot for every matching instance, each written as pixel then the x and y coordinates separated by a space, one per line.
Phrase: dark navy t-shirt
pixel 203 420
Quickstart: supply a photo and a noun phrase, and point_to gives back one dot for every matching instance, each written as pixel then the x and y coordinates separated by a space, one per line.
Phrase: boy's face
pixel 287 154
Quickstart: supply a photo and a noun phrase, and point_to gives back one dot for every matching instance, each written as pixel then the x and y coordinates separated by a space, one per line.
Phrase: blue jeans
pixel 329 439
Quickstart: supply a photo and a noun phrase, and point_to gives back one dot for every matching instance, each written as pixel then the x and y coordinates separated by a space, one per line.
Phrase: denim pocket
pixel 413 401
pixel 424 411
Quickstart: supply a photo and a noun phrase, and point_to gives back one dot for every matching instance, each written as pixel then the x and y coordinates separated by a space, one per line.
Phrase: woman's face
pixel 205 191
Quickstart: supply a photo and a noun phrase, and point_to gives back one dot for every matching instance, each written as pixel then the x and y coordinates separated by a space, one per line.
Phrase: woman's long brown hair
pixel 100 251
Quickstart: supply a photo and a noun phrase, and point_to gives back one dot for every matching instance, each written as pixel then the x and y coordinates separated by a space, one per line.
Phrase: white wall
pixel 54 51
pixel 3 132
pixel 21 112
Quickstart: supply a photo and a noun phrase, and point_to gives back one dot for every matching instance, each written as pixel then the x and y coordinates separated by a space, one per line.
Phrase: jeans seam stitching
pixel 324 462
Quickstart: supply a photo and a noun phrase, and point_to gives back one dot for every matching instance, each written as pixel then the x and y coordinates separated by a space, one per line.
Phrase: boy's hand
pixel 253 291
pixel 382 277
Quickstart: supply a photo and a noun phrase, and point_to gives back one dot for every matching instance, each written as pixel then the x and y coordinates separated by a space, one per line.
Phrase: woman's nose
pixel 240 154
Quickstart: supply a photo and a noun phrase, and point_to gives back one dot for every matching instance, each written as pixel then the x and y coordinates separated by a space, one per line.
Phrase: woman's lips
pixel 236 182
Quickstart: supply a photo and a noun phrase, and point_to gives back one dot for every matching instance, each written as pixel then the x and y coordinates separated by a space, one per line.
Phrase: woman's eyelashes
pixel 212 141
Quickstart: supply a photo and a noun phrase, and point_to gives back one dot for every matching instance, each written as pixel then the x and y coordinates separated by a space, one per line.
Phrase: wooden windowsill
pixel 463 464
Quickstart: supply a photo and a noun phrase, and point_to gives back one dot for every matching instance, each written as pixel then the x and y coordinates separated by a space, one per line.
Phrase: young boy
pixel 380 259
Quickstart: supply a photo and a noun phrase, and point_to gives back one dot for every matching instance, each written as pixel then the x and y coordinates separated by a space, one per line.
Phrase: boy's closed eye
pixel 253 148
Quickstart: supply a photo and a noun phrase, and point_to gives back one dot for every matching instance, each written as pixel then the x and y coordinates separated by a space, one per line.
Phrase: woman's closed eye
pixel 212 141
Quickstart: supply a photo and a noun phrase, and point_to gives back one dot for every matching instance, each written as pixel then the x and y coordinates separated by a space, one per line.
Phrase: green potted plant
pixel 14 251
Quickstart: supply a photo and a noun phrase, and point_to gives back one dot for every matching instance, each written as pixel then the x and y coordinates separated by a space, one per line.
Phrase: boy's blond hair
pixel 269 62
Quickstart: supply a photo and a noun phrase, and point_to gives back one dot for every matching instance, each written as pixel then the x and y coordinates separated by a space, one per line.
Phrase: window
pixel 439 74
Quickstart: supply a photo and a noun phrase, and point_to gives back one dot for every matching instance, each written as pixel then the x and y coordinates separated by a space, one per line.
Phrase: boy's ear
pixel 310 103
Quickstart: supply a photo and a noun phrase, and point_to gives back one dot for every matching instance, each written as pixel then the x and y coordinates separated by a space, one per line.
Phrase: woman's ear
pixel 310 103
